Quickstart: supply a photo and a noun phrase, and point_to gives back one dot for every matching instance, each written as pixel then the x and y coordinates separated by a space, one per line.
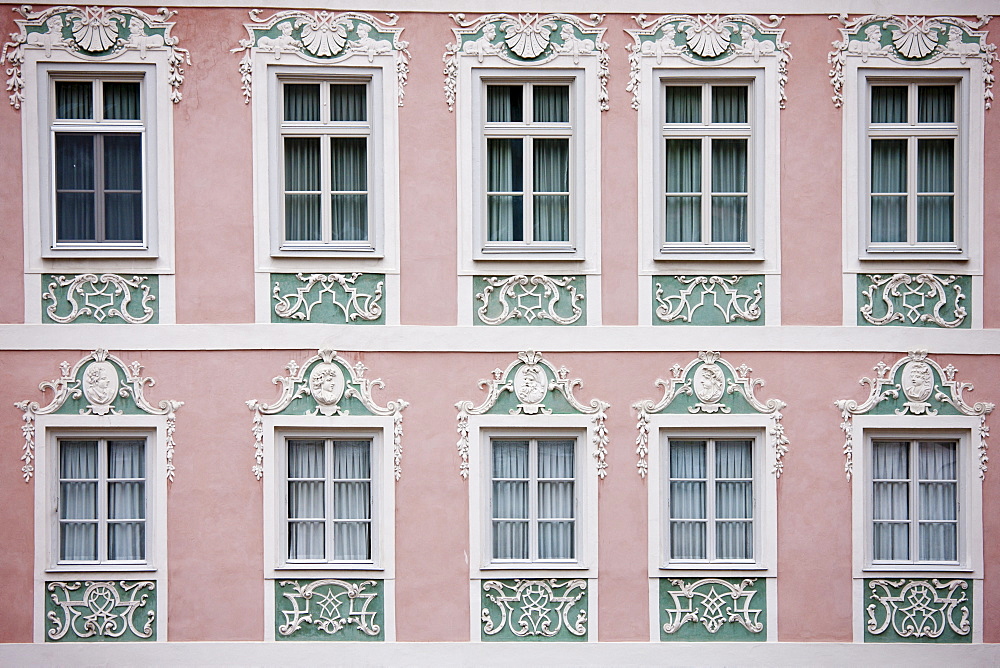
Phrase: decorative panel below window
pixel 708 300
pixel 100 298
pixel 355 298
pixel 530 300
pixel 713 609
pixel 95 611
pixel 551 609
pixel 329 609
pixel 915 300
pixel 934 610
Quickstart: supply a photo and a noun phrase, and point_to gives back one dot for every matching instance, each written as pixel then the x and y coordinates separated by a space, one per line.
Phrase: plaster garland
pixel 910 40
pixel 917 373
pixel 322 37
pixel 707 40
pixel 923 288
pixel 527 40
pixel 530 378
pixel 101 386
pixel 94 34
pixel 104 296
pixel 705 378
pixel 330 379
pixel 529 297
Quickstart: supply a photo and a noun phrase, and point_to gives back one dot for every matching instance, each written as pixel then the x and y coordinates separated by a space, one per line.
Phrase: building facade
pixel 407 333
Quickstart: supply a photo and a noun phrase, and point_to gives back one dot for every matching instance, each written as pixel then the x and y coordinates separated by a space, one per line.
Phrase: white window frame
pixel 49 430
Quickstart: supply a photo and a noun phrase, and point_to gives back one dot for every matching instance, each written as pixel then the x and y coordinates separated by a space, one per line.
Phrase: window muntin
pixel 529 147
pixel 533 500
pixel 707 150
pixel 98 136
pixel 102 501
pixel 711 500
pixel 325 148
pixel 915 502
pixel 913 150
pixel 329 500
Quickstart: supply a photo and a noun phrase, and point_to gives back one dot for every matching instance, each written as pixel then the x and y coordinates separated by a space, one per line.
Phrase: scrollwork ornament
pixel 722 292
pixel 323 37
pixel 709 379
pixel 327 379
pixel 536 608
pixel 102 379
pixel 92 34
pixel 910 40
pixel 913 385
pixel 103 609
pixel 330 605
pixel 707 40
pixel 921 298
pixel 535 297
pixel 102 297
pixel 527 39
pixel 713 602
pixel 923 608
pixel 340 290
pixel 532 379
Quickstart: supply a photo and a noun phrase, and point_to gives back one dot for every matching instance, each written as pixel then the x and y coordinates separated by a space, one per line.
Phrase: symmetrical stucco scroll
pixel 708 40
pixel 100 610
pixel 326 384
pixel 923 609
pixel 913 40
pixel 532 386
pixel 913 300
pixel 534 609
pixel 323 37
pixel 530 300
pixel 708 300
pixel 99 384
pixel 329 609
pixel 914 385
pixel 335 298
pixel 526 39
pixel 708 608
pixel 95 34
pixel 710 384
pixel 99 298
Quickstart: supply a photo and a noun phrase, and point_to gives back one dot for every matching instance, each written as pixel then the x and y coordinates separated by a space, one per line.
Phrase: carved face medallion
pixel 326 383
pixel 918 381
pixel 100 384
pixel 530 384
pixel 709 383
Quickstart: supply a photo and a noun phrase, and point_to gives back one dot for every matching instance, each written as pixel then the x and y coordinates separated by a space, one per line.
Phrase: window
pixel 914 507
pixel 102 501
pixel 706 155
pixel 329 500
pixel 529 143
pixel 98 132
pixel 711 500
pixel 533 500
pixel 914 151
pixel 325 133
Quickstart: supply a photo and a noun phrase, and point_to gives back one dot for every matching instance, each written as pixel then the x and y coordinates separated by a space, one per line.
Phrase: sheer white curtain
pixel 891 501
pixel 349 165
pixel 511 514
pixel 352 500
pixel 729 167
pixel 556 523
pixel 78 487
pixel 935 166
pixel 306 499
pixel 688 507
pixel 734 499
pixel 938 493
pixel 683 176
pixel 126 500
pixel 550 104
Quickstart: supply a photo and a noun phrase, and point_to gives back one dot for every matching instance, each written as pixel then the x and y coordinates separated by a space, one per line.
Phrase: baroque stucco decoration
pixel 536 385
pixel 325 38
pixel 95 34
pixel 531 297
pixel 542 608
pixel 731 296
pixel 101 297
pixel 93 387
pixel 708 381
pixel 342 292
pixel 526 39
pixel 329 605
pixel 910 40
pixel 713 603
pixel 707 40
pixel 923 608
pixel 108 610
pixel 913 299
pixel 329 381
pixel 914 385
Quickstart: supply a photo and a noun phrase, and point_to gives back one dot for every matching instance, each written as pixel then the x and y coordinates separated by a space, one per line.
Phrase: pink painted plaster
pixel 991 201
pixel 11 212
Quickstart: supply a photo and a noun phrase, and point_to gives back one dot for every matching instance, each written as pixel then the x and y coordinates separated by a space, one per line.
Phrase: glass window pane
pixel 301 102
pixel 888 219
pixel 510 499
pixel 935 165
pixel 556 459
pixel 938 501
pixel 888 166
pixel 551 104
pixel 78 460
pixel 688 540
pixel 683 104
pixel 510 459
pixel 78 541
pixel 734 540
pixel 551 165
pixel 352 460
pixel 729 165
pixel 349 164
pixel 687 459
pixel 307 540
pixel 555 540
pixel 510 540
pixel 734 459
pixel 683 165
pixel 306 459
pixel 889 104
pixel 121 100
pixel 123 162
pixel 734 500
pixel 938 461
pixel 352 541
pixel 683 219
pixel 938 542
pixel 505 175
pixel 349 102
pixel 352 500
pixel 555 500
pixel 935 104
pixel 729 104
pixel 729 219
pixel 126 459
pixel 75 161
pixel 891 500
pixel 302 174
pixel 74 99
pixel 504 104
pixel 687 499
pixel 890 460
pixel 891 541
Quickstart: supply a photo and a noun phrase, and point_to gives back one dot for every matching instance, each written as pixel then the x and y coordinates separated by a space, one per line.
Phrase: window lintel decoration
pixel 915 40
pixel 538 388
pixel 323 38
pixel 914 385
pixel 330 383
pixel 93 386
pixel 527 39
pixel 94 34
pixel 708 40
pixel 710 381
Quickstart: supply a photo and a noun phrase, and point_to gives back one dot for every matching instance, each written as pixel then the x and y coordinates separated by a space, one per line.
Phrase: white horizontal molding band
pixel 414 338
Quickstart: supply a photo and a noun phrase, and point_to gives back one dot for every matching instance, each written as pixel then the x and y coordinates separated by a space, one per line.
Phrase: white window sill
pixel 696 566
pixel 922 570
pixel 101 568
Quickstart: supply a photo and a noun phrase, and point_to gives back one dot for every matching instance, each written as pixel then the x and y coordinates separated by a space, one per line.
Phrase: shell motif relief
pixel 709 38
pixel 95 32
pixel 529 38
pixel 324 37
pixel 915 40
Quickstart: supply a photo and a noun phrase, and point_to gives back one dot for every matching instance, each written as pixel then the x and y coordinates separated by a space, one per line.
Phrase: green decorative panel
pixel 708 300
pixel 356 298
pixel 96 611
pixel 530 300
pixel 100 298
pixel 329 609
pixel 918 610
pixel 713 609
pixel 914 300
pixel 549 609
